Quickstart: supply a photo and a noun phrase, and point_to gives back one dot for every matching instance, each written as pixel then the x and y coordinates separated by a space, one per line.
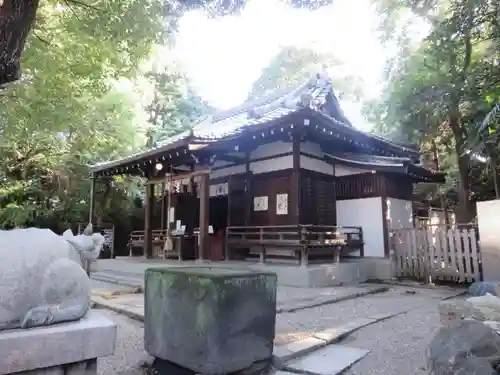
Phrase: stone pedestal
pixel 61 349
pixel 210 320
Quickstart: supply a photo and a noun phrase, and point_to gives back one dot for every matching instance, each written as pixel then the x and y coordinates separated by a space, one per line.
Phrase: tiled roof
pixel 280 103
pixel 283 102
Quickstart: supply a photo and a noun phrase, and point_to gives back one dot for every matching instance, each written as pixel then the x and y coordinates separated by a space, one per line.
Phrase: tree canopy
pixel 92 89
pixel 440 88
pixel 293 65
pixel 148 19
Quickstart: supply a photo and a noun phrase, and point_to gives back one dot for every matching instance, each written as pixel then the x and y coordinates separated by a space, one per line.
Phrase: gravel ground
pixel 397 345
pixel 303 323
pixel 129 352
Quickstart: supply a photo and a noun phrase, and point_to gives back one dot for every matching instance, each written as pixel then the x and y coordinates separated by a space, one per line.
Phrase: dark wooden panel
pixel 270 184
pixel 237 200
pixel 357 186
pixel 318 199
pixel 398 186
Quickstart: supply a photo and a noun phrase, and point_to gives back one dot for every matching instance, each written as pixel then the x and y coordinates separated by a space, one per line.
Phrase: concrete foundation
pixel 324 275
pixel 61 349
pixel 349 271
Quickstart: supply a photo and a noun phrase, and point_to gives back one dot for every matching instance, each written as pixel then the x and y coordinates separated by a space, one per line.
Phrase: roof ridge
pixel 277 96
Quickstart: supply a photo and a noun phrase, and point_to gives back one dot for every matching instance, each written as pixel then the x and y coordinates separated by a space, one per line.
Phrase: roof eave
pixel 401 150
pixel 142 155
pixel 423 174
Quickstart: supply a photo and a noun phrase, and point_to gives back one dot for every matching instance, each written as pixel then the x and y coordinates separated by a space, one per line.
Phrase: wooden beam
pixel 177 177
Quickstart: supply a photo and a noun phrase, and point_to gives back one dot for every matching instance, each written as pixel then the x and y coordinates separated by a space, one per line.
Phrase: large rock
pixel 488 305
pixel 482 288
pixel 210 320
pixel 450 350
pixel 452 310
pixel 481 308
pixel 474 366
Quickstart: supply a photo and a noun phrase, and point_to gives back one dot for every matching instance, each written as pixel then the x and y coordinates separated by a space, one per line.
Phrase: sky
pixel 224 56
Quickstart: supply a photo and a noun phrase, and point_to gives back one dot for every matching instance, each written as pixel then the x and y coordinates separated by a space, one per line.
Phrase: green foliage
pixel 174 106
pixel 440 88
pixel 75 106
pixel 85 97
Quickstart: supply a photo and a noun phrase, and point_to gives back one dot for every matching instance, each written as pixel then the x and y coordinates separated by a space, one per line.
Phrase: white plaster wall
pixel 342 170
pixel 367 214
pixel 270 165
pixel 229 171
pixel 263 166
pixel 399 213
pixel 311 148
pixel 270 149
pixel 316 165
pixel 221 163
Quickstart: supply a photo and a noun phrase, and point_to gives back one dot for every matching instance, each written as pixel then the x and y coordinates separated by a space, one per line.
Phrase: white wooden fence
pixel 436 253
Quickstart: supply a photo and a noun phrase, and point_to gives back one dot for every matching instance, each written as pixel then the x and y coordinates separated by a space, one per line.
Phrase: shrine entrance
pixel 218 219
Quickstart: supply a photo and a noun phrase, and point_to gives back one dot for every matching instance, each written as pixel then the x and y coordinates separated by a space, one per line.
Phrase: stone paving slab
pixel 331 360
pixel 318 340
pixel 289 298
pixel 132 305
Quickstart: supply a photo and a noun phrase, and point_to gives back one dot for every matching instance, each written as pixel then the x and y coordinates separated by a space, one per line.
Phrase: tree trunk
pixel 464 212
pixel 16 19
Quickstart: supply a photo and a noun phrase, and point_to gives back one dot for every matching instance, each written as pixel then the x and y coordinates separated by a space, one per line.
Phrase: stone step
pixel 119 280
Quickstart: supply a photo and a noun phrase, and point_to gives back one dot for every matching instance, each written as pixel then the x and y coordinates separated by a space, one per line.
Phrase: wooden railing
pixel 297 241
pixel 136 239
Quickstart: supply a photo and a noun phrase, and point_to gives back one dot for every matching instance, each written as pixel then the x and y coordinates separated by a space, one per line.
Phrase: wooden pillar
pixel 297 198
pixel 204 216
pixel 228 223
pixel 163 207
pixel 148 221
pixel 248 191
pixel 92 199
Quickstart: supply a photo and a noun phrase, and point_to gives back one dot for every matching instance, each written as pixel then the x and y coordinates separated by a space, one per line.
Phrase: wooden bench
pixel 300 242
pixel 136 240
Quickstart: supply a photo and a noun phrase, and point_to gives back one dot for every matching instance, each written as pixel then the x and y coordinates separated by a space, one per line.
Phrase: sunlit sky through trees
pixel 224 56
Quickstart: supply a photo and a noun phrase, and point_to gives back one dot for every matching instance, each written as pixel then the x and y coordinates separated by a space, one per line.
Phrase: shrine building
pixel 286 179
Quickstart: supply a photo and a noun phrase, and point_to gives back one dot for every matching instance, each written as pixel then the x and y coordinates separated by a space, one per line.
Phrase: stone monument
pixel 43 283
pixel 210 320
